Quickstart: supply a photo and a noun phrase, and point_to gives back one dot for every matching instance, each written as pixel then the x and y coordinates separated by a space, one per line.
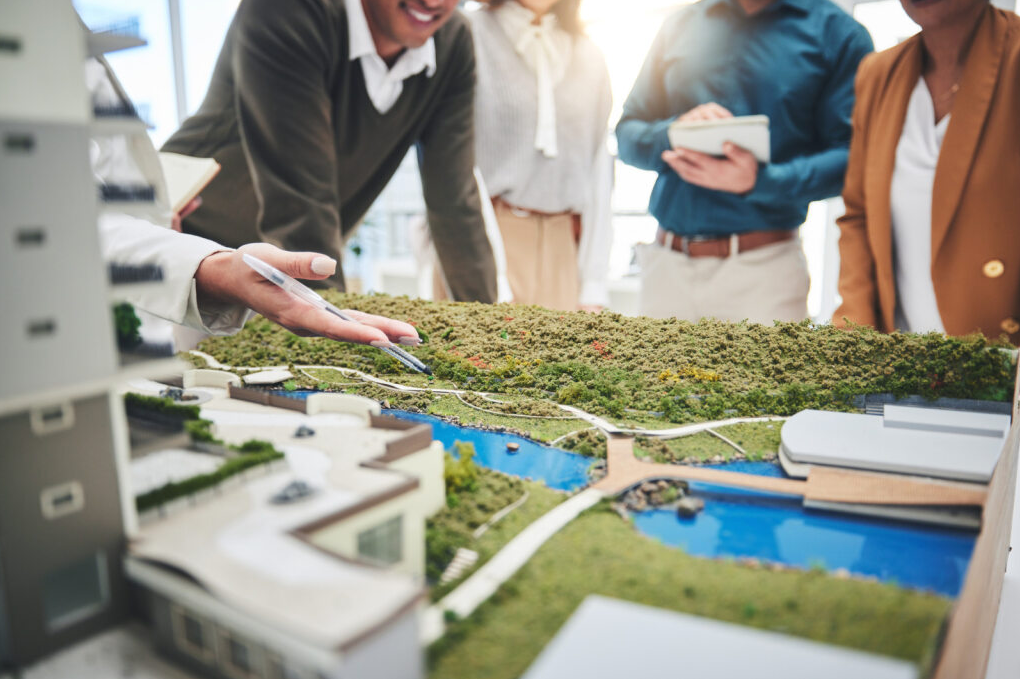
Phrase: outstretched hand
pixel 224 277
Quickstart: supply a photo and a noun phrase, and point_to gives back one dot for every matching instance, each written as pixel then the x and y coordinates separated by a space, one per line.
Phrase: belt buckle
pixel 685 242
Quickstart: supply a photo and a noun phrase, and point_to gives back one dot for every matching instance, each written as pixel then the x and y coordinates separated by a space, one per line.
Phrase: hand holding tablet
pixel 709 135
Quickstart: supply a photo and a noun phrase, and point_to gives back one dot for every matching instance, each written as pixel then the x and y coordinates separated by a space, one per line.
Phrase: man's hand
pixel 736 173
pixel 709 111
pixel 224 277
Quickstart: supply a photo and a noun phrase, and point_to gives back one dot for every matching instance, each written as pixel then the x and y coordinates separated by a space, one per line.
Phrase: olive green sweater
pixel 304 152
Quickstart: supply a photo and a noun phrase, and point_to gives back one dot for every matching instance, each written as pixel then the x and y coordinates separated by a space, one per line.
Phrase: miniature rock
pixel 689 506
pixel 513 447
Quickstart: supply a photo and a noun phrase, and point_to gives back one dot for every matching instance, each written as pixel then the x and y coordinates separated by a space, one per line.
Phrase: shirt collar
pixel 413 60
pixel 515 18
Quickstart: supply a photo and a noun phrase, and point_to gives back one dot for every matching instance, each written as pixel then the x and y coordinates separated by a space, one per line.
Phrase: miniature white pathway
pixel 605 425
pixel 501 567
pixel 671 433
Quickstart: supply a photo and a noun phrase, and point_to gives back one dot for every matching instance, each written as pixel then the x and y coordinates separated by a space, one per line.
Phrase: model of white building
pixel 65 509
pixel 240 584
pixel 236 586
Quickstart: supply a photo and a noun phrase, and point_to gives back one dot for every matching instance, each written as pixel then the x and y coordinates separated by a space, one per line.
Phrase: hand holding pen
pixel 312 298
pixel 225 277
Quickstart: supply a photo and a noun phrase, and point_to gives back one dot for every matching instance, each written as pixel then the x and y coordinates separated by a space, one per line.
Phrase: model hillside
pixel 640 367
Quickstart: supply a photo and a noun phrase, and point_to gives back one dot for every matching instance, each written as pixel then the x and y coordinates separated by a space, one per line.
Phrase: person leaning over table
pixel 205 286
pixel 312 106
pixel 931 236
pixel 727 246
pixel 541 114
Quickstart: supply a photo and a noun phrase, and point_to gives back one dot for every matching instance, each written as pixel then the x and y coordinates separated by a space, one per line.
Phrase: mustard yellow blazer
pixel 975 224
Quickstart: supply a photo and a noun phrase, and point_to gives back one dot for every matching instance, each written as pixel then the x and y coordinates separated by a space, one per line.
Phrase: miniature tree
pixel 126 323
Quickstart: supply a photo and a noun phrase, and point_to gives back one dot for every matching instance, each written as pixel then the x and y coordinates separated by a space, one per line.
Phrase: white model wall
pixel 342 537
pixel 392 653
pixel 427 466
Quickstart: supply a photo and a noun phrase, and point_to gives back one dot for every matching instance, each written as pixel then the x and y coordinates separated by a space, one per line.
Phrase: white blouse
pixel 917 156
pixel 521 158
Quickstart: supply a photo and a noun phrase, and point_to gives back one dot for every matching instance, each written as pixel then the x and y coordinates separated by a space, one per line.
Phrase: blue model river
pixel 738 523
pixel 558 468
pixel 742 523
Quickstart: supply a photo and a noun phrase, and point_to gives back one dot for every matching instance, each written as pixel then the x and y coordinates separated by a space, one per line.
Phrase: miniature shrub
pixel 573 393
pixel 178 489
pixel 256 446
pixel 461 472
pixel 136 404
pixel 588 442
pixel 126 324
pixel 201 431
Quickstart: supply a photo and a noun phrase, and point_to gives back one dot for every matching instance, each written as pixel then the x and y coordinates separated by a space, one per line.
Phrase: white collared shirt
pixel 384 84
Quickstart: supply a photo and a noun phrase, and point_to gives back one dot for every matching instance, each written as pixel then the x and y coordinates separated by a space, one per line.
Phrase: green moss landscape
pixel 600 554
pixel 623 367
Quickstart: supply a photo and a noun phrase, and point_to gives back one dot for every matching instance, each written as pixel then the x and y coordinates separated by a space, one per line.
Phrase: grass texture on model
pixel 646 371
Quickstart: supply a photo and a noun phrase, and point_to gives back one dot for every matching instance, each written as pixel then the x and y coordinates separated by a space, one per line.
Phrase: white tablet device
pixel 708 136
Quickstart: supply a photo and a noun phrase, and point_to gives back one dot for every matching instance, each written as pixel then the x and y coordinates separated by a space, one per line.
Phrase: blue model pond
pixel 559 469
pixel 746 524
pixel 782 531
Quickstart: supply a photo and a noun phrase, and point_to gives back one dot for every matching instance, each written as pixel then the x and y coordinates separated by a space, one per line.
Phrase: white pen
pixel 303 292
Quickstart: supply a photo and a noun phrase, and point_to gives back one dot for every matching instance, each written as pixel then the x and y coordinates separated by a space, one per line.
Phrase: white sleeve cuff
pixel 128 240
pixel 215 318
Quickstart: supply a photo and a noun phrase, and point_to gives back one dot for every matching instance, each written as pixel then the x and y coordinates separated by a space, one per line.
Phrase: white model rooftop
pixel 608 638
pixel 250 554
pixel 951 444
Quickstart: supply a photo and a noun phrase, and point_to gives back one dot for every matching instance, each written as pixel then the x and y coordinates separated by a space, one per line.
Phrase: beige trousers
pixel 762 285
pixel 541 258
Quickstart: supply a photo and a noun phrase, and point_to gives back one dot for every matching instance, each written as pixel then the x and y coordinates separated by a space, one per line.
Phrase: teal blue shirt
pixel 794 61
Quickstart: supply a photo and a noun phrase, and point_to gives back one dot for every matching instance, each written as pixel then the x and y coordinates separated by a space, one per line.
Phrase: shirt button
pixel 993 268
pixel 1010 325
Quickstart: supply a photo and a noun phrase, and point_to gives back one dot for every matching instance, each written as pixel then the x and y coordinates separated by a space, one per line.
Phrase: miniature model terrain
pixel 623 402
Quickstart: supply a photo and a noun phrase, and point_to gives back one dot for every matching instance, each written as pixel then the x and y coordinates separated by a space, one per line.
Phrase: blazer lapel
pixel 980 75
pixel 883 138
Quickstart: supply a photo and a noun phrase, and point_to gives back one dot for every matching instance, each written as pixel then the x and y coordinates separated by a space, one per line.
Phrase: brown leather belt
pixel 575 219
pixel 720 247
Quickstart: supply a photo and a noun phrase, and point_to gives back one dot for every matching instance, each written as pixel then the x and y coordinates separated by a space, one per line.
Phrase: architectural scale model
pixel 298 530
pixel 646 395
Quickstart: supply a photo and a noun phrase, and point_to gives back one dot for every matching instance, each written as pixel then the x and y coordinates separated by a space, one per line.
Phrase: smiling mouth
pixel 419 16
